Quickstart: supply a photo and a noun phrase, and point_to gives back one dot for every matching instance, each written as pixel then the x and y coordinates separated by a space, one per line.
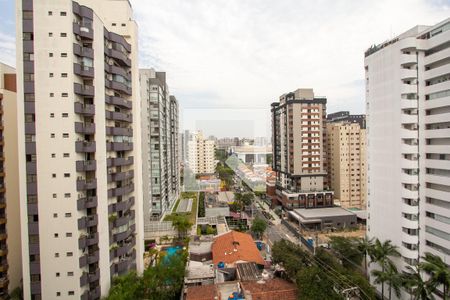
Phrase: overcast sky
pixel 226 55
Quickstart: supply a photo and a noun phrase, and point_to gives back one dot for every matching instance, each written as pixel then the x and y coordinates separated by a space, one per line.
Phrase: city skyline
pixel 214 65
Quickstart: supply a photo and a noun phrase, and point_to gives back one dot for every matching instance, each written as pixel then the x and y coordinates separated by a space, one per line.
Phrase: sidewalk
pixel 276 219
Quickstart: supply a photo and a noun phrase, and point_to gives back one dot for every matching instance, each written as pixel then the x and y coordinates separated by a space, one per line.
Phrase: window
pixel 28 36
pixel 55 235
pixel 63 14
pixel 69 254
pixel 63 34
pixel 56 254
pixel 65 135
pixel 52 135
pixel 58 294
pixel 113 24
pixel 28 15
pixel 50 54
pixel 63 75
pixel 71 293
pixel 53 175
pixel 68 215
pixel 69 273
pixel 66 155
pixel 67 195
pixel 65 115
pixel 50 34
pixel 55 215
pixel 63 54
pixel 123 24
pixel 53 155
pixel 52 95
pixel 54 195
pixel 57 274
pixel 52 115
pixel 65 95
pixel 50 75
pixel 68 234
pixel 66 175
pixel 50 13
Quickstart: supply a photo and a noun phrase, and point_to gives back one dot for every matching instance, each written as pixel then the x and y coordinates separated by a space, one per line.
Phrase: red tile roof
pixel 235 246
pixel 271 289
pixel 201 292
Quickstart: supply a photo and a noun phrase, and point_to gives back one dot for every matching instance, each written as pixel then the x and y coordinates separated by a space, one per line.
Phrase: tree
pixel 258 227
pixel 17 294
pixel 347 248
pixel 437 270
pixel 381 254
pixel 391 277
pixel 181 224
pixel 314 284
pixel 291 256
pixel 419 288
pixel 366 246
pixel 126 287
pixel 247 198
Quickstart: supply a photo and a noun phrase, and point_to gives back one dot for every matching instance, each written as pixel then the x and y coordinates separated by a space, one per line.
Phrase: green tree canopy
pixel 258 227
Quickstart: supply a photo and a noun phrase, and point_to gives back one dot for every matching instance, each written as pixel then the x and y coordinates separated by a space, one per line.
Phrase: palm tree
pixel 419 288
pixel 439 272
pixel 391 277
pixel 381 254
pixel 366 246
pixel 182 225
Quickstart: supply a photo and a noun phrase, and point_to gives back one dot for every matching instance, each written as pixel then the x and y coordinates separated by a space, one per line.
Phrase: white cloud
pixel 7 49
pixel 247 53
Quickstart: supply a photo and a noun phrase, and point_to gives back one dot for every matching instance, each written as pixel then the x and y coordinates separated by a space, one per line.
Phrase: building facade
pixel 346 152
pixel 79 164
pixel 10 253
pixel 408 125
pixel 299 156
pixel 161 165
pixel 201 154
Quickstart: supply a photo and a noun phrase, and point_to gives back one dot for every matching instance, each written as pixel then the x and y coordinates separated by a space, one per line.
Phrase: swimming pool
pixel 170 251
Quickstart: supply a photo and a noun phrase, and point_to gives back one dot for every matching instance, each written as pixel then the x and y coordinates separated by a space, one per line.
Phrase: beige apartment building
pixel 299 156
pixel 201 154
pixel 346 148
pixel 79 136
pixel 10 251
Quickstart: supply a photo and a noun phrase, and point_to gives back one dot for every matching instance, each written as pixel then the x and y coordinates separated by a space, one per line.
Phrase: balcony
pixel 120 191
pixel 87 221
pixel 119 146
pixel 408 59
pixel 83 51
pixel 119 161
pixel 84 128
pixel 118 86
pixel 84 147
pixel 83 31
pixel 123 235
pixel 121 206
pixel 118 71
pixel 87 240
pixel 123 220
pixel 119 131
pixel 83 71
pixel 120 176
pixel 86 165
pixel 84 90
pixel 84 109
pixel 89 277
pixel 118 116
pixel 87 202
pixel 119 56
pixel 86 184
pixel 113 100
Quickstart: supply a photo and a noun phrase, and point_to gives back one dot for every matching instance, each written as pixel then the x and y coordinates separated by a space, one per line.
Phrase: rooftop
pixel 201 292
pixel 269 290
pixel 235 247
pixel 310 213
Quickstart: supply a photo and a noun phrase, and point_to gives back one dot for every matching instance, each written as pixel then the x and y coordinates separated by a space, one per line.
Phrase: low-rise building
pixel 324 218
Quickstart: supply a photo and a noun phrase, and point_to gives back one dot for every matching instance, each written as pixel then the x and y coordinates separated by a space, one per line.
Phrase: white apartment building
pixel 160 147
pixel 201 154
pixel 79 146
pixel 408 120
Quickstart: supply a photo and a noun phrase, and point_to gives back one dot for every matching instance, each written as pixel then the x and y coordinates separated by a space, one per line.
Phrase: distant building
pixel 201 154
pixel 346 153
pixel 251 154
pixel 345 116
pixel 10 243
pixel 408 120
pixel 160 149
pixel 299 156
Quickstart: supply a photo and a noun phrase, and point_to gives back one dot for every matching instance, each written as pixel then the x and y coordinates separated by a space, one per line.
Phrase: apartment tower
pixel 346 152
pixel 201 154
pixel 10 253
pixel 408 128
pixel 160 148
pixel 79 156
pixel 299 156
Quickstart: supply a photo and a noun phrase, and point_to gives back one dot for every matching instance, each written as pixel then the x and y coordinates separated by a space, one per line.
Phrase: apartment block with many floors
pixel 408 129
pixel 201 154
pixel 79 124
pixel 10 253
pixel 346 152
pixel 161 166
pixel 299 156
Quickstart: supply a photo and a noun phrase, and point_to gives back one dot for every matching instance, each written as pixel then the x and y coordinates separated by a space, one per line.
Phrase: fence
pixel 297 234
